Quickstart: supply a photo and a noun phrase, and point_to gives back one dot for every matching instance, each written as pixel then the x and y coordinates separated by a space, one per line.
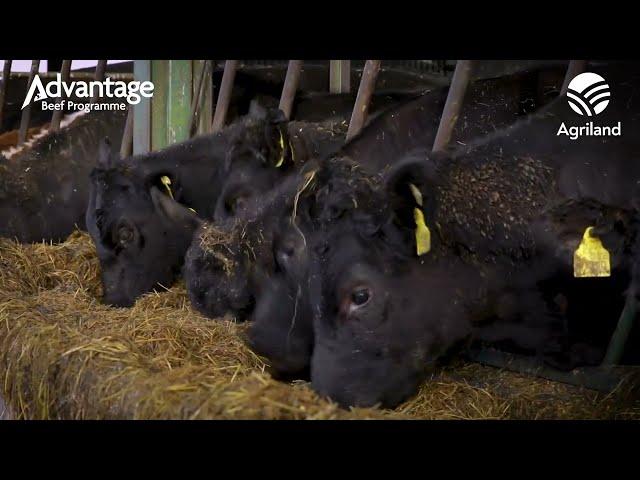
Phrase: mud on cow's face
pixel 140 235
pixel 382 314
pixel 255 266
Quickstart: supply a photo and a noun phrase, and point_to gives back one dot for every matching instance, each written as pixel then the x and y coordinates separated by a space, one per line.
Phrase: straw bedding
pixel 63 355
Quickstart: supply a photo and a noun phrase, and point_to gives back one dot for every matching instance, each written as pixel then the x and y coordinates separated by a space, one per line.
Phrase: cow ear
pixel 410 187
pixel 105 156
pixel 259 111
pixel 172 210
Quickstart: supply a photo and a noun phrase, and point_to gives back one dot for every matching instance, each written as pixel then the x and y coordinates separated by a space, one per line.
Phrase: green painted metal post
pixel 142 111
pixel 166 119
pixel 179 100
pixel 160 79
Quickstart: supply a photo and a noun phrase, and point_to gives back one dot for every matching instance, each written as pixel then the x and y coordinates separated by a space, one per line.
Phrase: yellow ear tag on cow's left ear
pixel 166 181
pixel 281 142
pixel 591 259
pixel 423 235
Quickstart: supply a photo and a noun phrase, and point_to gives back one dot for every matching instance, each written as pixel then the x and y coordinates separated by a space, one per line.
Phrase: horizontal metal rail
pixel 603 378
pixel 75 75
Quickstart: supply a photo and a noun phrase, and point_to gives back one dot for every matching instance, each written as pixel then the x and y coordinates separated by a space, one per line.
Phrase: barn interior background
pixel 64 355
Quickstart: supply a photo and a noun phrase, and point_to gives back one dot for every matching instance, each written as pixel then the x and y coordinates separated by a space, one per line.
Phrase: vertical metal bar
pixel 198 93
pixel 205 110
pixel 224 96
pixel 160 78
pixel 179 101
pixel 26 113
pixel 127 137
pixel 290 87
pixel 57 114
pixel 453 105
pixel 340 76
pixel 142 111
pixel 101 68
pixel 4 87
pixel 575 67
pixel 620 335
pixel 365 90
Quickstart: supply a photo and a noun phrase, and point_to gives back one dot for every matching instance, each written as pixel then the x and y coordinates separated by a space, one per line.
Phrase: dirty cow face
pixel 370 291
pixel 139 233
pixel 254 266
pixel 281 328
pixel 256 160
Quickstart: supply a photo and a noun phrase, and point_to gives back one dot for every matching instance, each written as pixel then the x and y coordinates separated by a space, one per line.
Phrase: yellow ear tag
pixel 591 259
pixel 281 161
pixel 423 235
pixel 166 181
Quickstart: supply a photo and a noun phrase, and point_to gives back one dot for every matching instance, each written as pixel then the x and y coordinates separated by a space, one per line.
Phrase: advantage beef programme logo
pixel 588 95
pixel 130 92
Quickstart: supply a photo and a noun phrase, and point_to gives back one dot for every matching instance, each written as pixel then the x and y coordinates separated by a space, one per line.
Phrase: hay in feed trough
pixel 63 355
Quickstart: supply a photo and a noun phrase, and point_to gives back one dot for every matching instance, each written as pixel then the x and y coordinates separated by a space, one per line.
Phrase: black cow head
pixel 254 266
pixel 193 172
pixel 258 157
pixel 140 233
pixel 371 289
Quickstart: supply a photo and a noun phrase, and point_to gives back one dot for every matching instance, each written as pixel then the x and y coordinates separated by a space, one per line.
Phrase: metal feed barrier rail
pixel 66 75
pixel 176 114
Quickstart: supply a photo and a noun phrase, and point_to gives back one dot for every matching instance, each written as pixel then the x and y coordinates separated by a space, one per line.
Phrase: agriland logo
pixel 132 92
pixel 588 95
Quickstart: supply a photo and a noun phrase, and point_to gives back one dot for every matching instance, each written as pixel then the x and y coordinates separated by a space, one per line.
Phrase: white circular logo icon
pixel 588 94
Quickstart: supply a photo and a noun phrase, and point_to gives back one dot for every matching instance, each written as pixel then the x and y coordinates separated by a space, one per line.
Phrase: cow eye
pixel 125 234
pixel 236 204
pixel 360 296
pixel 240 203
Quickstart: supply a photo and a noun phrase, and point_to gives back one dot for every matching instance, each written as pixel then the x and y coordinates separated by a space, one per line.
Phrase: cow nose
pixel 117 300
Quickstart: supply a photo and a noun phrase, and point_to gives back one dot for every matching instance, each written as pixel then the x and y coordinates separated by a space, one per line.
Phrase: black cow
pixel 267 287
pixel 505 217
pixel 140 231
pixel 43 184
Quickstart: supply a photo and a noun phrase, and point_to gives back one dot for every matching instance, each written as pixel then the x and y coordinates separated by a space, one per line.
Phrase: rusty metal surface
pixel 366 89
pixel 453 105
pixel 98 75
pixel 26 112
pixel 224 97
pixel 290 87
pixel 198 96
pixel 57 114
